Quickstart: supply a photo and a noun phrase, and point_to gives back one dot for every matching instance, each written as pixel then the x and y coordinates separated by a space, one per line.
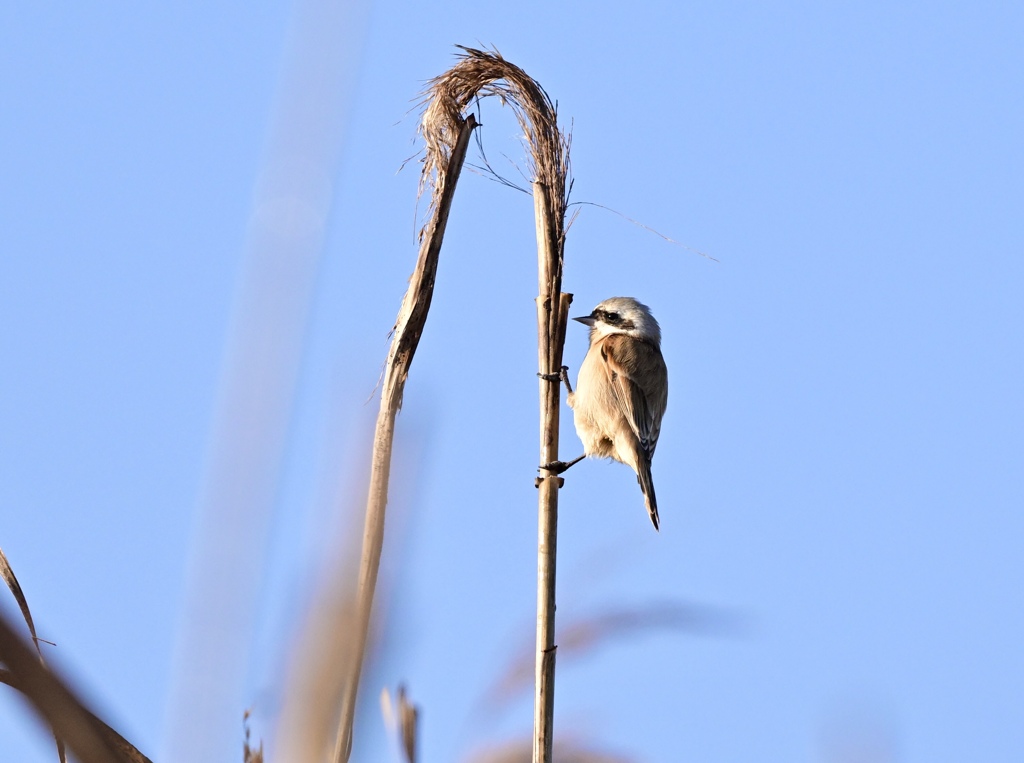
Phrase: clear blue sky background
pixel 840 468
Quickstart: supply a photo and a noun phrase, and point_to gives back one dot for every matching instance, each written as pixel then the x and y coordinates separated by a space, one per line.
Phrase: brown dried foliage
pixel 480 74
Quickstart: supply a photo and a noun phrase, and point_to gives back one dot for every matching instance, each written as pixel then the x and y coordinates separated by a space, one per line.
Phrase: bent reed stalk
pixel 446 129
pixel 406 336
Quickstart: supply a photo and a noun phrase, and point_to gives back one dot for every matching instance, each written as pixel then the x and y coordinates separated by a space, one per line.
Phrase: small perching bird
pixel 621 391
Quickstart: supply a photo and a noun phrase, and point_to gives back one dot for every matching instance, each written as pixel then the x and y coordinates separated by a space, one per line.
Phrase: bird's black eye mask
pixel 613 319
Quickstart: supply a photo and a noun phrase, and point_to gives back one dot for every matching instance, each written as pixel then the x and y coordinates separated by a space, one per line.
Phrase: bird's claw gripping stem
pixel 561 376
pixel 557 467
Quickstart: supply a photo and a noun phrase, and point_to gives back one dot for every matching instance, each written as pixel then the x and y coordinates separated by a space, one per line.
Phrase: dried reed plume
pixel 446 130
pixel 480 74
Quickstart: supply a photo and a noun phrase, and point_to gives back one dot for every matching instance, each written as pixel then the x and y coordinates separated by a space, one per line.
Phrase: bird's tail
pixel 643 476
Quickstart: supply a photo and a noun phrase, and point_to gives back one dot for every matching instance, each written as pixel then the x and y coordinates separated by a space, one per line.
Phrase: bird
pixel 621 391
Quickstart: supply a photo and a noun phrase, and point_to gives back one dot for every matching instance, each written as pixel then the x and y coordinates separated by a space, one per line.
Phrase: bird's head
pixel 622 315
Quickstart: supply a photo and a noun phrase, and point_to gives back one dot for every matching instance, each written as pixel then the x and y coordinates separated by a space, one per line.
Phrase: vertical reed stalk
pixel 552 314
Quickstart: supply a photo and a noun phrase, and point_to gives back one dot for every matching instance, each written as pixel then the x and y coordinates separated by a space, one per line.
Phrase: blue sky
pixel 840 467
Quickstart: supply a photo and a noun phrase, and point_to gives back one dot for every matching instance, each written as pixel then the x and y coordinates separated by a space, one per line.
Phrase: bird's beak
pixel 586 320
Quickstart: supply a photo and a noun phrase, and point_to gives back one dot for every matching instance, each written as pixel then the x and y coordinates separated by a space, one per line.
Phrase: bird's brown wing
pixel 635 371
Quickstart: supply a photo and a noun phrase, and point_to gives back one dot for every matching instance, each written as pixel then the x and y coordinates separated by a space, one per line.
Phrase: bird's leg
pixel 557 467
pixel 564 373
pixel 562 376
